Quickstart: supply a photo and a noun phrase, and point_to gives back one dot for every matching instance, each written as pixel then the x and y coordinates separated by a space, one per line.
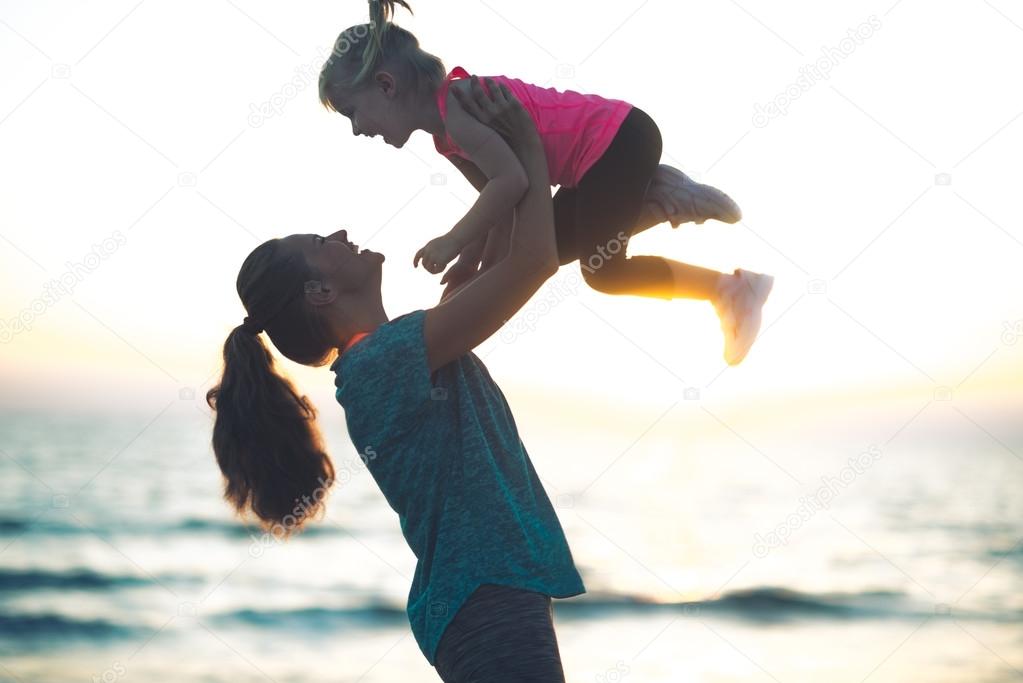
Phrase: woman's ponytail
pixel 266 440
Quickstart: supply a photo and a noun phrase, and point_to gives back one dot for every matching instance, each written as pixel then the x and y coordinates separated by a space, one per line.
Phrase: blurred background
pixel 842 506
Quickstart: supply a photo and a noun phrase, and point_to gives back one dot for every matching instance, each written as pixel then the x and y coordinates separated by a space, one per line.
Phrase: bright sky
pixel 883 199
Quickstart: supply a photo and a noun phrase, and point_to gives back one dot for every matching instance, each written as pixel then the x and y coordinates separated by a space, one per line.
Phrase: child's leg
pixel 671 197
pixel 608 204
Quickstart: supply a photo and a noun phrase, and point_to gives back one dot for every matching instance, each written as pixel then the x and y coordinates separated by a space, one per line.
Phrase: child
pixel 604 153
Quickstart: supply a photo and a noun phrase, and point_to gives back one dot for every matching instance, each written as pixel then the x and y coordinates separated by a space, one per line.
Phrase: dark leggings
pixel 594 220
pixel 501 634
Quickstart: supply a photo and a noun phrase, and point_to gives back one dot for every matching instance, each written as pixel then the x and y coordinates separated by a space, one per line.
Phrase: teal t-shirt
pixel 446 454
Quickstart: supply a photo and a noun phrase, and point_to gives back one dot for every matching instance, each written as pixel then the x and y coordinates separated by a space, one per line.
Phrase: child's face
pixel 377 110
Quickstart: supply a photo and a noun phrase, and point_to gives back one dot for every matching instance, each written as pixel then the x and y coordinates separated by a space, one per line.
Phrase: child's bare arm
pixel 477 178
pixel 485 251
pixel 468 263
pixel 491 248
pixel 468 317
pixel 506 185
pixel 489 154
pixel 473 251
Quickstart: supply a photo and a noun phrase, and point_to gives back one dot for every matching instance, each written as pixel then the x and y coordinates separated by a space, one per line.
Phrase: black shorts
pixel 501 634
pixel 594 219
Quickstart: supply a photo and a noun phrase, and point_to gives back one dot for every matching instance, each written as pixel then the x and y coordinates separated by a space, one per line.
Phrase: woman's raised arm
pixel 464 320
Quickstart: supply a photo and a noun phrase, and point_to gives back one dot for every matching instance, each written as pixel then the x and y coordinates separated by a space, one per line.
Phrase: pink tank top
pixel 576 129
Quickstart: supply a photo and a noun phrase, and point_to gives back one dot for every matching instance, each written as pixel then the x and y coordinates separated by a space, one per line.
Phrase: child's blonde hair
pixel 365 48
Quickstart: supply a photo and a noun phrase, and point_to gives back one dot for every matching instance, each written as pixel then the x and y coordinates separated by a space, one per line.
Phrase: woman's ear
pixel 318 293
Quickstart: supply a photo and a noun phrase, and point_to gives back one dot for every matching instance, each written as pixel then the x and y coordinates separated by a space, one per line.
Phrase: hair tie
pixel 251 326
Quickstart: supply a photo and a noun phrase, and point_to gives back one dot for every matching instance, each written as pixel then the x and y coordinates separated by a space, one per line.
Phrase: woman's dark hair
pixel 265 436
pixel 363 49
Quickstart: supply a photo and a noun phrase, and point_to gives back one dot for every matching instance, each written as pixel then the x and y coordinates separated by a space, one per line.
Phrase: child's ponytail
pixel 379 45
pixel 380 14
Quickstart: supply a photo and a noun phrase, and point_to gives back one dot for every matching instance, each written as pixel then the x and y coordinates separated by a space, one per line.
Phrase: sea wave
pixel 29 626
pixel 18 526
pixel 756 604
pixel 380 614
pixel 762 604
pixel 765 603
pixel 79 579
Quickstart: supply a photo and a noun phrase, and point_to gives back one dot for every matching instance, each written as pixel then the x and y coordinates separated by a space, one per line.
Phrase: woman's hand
pixel 500 111
pixel 492 297
pixel 466 266
pixel 437 254
pixel 457 275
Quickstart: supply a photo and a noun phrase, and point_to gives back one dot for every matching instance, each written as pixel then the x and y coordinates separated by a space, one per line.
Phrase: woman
pixel 434 429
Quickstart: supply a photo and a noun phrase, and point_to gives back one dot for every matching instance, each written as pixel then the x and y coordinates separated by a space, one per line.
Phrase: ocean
pixel 881 545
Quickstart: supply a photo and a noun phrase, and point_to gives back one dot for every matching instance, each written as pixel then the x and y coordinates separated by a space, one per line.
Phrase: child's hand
pixel 437 254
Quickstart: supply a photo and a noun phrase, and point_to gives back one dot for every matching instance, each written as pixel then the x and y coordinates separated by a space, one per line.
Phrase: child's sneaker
pixel 722 302
pixel 740 301
pixel 687 200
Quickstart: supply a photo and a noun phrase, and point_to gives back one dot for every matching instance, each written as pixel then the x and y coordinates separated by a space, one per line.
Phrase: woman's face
pixel 343 266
